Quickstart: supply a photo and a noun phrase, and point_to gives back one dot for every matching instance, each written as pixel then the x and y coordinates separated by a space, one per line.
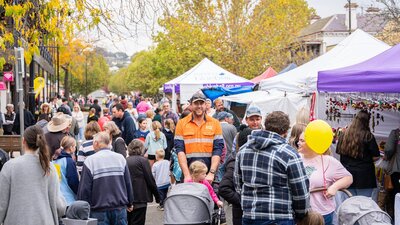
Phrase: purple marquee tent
pixel 377 74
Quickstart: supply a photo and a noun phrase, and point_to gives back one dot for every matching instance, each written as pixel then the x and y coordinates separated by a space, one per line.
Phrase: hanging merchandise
pixel 341 108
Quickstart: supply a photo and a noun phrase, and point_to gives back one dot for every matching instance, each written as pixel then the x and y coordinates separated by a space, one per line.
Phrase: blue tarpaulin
pixel 216 92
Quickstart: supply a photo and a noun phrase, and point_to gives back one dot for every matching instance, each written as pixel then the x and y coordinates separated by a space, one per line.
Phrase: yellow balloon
pixel 318 136
pixel 38 85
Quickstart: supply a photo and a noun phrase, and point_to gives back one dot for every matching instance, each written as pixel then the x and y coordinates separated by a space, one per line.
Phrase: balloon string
pixel 323 171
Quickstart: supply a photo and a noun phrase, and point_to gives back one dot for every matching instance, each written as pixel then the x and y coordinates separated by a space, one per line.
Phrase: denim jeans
pixel 328 218
pixel 267 222
pixel 163 191
pixel 111 217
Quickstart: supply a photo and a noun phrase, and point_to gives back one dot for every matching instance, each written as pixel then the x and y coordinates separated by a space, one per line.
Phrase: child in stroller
pixel 198 171
pixel 192 202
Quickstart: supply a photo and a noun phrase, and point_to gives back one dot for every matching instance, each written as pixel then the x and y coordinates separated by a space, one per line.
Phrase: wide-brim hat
pixel 59 122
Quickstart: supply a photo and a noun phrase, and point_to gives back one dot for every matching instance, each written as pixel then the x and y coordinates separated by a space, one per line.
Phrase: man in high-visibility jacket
pixel 199 137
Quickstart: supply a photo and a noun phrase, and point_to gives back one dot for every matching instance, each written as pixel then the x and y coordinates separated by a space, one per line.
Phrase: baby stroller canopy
pixel 188 203
pixel 361 210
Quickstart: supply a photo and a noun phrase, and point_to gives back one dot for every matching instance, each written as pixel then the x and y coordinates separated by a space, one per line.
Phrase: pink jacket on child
pixel 210 189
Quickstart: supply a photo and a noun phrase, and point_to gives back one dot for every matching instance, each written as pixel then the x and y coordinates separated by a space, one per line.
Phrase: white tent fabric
pixel 204 74
pixel 357 47
pixel 272 101
pixel 207 72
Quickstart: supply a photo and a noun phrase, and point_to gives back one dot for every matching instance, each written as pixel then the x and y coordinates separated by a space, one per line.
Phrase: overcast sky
pixel 324 8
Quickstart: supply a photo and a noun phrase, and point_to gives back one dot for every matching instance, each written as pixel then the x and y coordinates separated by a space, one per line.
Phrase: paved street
pixel 155 216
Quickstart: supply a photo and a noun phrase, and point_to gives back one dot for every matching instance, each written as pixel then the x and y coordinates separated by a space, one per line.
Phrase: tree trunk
pixel 66 87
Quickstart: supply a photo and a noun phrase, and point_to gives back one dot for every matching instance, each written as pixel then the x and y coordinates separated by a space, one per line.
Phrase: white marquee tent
pixel 357 47
pixel 204 74
pixel 289 103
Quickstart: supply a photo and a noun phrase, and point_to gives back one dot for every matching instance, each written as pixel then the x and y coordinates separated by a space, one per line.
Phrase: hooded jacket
pixel 269 174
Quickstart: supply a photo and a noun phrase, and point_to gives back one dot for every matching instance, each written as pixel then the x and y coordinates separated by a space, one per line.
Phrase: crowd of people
pixel 129 152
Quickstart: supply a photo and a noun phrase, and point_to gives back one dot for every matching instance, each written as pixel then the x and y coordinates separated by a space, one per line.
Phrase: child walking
pixel 160 171
pixel 198 171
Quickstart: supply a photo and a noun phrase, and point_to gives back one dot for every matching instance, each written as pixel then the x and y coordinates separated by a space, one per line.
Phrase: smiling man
pixel 198 137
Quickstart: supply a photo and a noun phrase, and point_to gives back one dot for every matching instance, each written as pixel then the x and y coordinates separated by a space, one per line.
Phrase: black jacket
pixel 127 127
pixel 118 145
pixel 228 192
pixel 143 183
pixel 170 143
pixel 29 120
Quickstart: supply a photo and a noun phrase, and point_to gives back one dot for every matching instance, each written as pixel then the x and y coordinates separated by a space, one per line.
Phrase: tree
pixel 87 69
pixel 391 16
pixel 41 22
pixel 244 37
pixel 51 22
pixel 72 57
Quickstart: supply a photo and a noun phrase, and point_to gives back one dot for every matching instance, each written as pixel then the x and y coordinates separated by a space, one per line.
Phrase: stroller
pixel 189 203
pixel 361 210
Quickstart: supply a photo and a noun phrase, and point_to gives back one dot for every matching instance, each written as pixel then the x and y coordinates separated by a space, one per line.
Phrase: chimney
pixel 352 11
pixel 373 10
pixel 314 19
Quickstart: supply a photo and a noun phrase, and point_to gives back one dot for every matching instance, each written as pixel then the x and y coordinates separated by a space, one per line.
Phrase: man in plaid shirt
pixel 270 176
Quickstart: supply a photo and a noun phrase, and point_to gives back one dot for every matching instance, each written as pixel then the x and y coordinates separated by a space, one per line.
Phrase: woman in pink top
pixel 142 107
pixel 323 171
pixel 198 171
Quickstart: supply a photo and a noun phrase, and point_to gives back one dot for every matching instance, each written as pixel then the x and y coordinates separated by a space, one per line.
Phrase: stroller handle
pixel 319 189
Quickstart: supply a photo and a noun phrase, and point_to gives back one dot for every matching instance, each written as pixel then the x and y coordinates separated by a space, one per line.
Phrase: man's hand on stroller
pixel 220 204
pixel 210 177
pixel 187 178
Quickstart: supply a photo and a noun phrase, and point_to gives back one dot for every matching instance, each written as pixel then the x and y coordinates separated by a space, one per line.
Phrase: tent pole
pixel 174 99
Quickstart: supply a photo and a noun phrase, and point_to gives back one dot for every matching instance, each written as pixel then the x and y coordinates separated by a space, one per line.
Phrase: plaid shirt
pixel 271 179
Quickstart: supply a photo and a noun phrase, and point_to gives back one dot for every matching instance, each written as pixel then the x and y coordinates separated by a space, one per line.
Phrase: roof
pixel 371 23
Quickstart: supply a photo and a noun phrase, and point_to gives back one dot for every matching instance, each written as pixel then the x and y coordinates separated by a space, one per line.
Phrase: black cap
pixel 198 96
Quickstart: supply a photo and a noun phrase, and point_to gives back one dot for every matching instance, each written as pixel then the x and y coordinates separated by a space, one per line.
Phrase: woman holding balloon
pixel 358 150
pixel 322 170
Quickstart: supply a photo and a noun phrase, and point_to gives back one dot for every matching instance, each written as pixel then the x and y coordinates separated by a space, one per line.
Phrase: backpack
pixel 3 158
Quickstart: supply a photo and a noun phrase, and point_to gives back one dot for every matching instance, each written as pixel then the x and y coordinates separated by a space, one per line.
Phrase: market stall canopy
pixel 216 92
pixel 289 103
pixel 270 72
pixel 288 68
pixel 357 47
pixel 206 74
pixel 378 74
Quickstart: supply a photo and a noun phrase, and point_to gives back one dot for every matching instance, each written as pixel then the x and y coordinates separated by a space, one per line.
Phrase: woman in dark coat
pixel 143 183
pixel 227 186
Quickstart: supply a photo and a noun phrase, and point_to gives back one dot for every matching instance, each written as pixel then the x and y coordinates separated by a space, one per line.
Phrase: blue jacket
pixel 69 180
pixel 127 127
